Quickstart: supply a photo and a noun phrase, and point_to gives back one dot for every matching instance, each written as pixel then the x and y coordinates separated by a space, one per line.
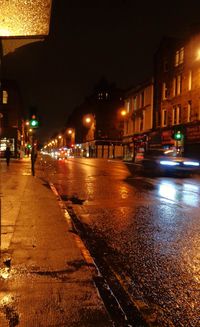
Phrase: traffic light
pixel 178 136
pixel 33 122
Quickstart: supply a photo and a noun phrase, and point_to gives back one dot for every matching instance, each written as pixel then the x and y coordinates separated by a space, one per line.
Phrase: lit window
pixel 176 58
pixel 128 106
pixel 164 91
pixel 100 96
pixel 189 113
pixel 190 80
pixel 174 87
pixel 179 84
pixel 179 57
pixel 5 97
pixel 176 115
pixel 142 122
pixel 164 117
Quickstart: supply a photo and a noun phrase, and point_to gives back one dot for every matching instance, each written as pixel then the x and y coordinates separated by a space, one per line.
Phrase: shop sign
pixel 193 134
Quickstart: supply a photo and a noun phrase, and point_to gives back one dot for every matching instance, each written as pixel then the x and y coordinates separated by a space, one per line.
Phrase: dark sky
pixel 116 39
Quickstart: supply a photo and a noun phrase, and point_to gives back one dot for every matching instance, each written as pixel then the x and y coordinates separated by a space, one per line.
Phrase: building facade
pixel 11 128
pixel 138 119
pixel 177 95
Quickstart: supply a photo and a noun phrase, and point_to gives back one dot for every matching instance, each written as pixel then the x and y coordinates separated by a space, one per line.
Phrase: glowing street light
pixel 123 112
pixel 24 18
pixel 88 120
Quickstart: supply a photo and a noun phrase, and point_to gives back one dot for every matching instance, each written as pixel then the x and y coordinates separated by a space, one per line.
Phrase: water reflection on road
pixel 147 228
pixel 186 193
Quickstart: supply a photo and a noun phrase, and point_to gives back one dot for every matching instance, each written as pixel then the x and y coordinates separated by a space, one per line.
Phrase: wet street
pixel 145 229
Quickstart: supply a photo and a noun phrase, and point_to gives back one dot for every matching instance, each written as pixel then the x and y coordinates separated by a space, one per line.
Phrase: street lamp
pixel 71 133
pixel 88 120
pixel 123 112
pixel 21 18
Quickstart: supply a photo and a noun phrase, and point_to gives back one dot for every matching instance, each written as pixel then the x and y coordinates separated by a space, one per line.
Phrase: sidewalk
pixel 48 283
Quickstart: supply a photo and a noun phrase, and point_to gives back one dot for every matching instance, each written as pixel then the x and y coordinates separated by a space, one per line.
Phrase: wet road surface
pixel 146 229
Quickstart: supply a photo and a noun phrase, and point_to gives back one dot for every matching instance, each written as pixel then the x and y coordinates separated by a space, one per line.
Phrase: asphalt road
pixel 145 229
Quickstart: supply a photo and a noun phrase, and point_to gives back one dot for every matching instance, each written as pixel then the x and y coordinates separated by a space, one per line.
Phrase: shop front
pixel 140 145
pixel 10 137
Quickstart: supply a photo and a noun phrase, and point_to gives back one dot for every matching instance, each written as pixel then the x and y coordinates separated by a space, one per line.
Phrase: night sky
pixel 116 39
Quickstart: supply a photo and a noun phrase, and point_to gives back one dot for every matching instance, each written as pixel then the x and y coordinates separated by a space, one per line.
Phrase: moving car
pixel 159 161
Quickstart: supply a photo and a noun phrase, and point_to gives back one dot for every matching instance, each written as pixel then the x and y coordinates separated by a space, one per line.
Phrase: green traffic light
pixel 34 123
pixel 178 136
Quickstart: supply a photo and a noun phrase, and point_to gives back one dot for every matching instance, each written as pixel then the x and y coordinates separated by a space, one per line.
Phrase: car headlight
pixel 169 163
pixel 191 163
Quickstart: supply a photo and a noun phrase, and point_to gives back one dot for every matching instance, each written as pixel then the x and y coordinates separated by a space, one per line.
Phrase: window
pixel 190 80
pixel 142 122
pixel 5 97
pixel 176 115
pixel 177 85
pixel 189 111
pixel 164 117
pixel 100 96
pixel 164 91
pixel 176 58
pixel 174 87
pixel 179 57
pixel 128 106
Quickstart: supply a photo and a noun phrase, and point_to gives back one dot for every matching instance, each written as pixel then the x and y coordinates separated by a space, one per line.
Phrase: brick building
pixel 177 94
pixel 138 121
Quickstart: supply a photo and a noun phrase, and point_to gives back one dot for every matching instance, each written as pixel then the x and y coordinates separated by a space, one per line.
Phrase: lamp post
pixel 70 138
pixel 89 121
pixel 123 114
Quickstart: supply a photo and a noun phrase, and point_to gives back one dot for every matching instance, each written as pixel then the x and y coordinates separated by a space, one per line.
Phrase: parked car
pixel 159 161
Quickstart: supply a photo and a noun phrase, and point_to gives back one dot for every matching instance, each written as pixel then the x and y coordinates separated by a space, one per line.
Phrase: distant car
pixel 158 161
pixel 61 155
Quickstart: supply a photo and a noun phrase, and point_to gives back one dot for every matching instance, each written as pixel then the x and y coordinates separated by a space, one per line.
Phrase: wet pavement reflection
pixel 149 228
